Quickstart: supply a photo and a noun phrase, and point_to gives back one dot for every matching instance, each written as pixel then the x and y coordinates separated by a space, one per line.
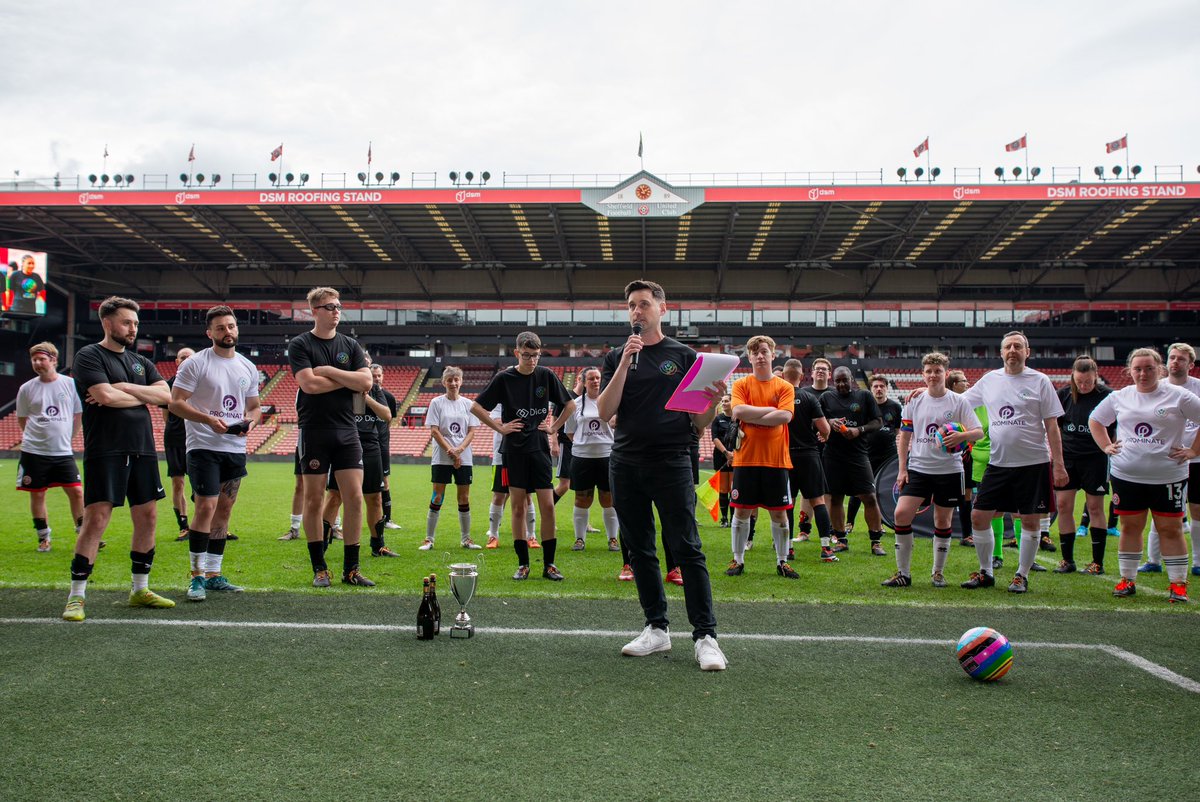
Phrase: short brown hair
pixel 1183 348
pixel 935 358
pixel 954 377
pixel 822 359
pixel 1014 333
pixel 879 377
pixel 759 340
pixel 113 304
pixel 49 348
pixel 527 339
pixel 655 288
pixel 216 312
pixel 318 294
pixel 1150 352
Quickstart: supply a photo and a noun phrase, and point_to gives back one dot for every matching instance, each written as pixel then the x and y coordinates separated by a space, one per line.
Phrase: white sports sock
pixel 1153 548
pixel 904 550
pixel 531 517
pixel 941 550
pixel 739 532
pixel 985 541
pixel 1176 567
pixel 337 522
pixel 297 521
pixel 140 582
pixel 431 524
pixel 611 526
pixel 495 517
pixel 1029 550
pixel 196 561
pixel 580 519
pixel 1046 524
pixel 43 533
pixel 1194 527
pixel 213 564
pixel 79 587
pixel 1127 562
pixel 782 535
pixel 464 524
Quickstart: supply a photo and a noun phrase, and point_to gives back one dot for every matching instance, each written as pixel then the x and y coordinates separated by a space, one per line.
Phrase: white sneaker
pixel 391 525
pixel 650 641
pixel 426 546
pixel 470 544
pixel 709 654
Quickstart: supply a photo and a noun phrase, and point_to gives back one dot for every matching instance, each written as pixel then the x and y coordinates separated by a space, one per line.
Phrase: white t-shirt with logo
pixel 49 409
pixel 455 421
pixel 926 414
pixel 1149 425
pixel 593 437
pixel 1017 408
pixel 219 387
pixel 1192 384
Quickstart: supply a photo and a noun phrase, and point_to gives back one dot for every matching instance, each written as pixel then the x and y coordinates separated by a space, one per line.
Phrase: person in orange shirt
pixel 763 403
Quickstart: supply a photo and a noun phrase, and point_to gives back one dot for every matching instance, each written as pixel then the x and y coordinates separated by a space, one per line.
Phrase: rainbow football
pixel 945 429
pixel 984 654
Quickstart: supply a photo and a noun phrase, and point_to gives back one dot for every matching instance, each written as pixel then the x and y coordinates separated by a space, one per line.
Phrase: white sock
pixel 739 533
pixel 431 524
pixel 79 587
pixel 531 518
pixel 43 534
pixel 297 522
pixel 1176 567
pixel 611 526
pixel 984 543
pixel 581 521
pixel 464 524
pixel 213 564
pixel 1127 562
pixel 904 550
pixel 1153 549
pixel 1029 550
pixel 1045 525
pixel 140 582
pixel 196 561
pixel 495 516
pixel 941 550
pixel 782 535
pixel 337 522
pixel 1194 527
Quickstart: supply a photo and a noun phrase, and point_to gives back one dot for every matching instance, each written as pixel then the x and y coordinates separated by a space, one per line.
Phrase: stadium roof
pixel 1117 240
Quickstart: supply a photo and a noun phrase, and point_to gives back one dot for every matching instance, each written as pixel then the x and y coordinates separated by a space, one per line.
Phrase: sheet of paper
pixel 708 368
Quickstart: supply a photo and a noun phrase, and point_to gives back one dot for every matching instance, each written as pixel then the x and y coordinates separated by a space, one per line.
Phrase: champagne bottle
pixel 437 607
pixel 425 615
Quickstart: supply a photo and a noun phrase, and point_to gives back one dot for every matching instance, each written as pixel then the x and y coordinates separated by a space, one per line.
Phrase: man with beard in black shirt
pixel 852 413
pixel 332 372
pixel 806 431
pixel 651 468
pixel 175 448
pixel 119 458
pixel 881 447
pixel 525 393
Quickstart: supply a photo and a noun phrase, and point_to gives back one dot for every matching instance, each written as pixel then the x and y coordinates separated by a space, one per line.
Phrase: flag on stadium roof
pixel 1117 144
pixel 639 144
pixel 921 148
pixel 368 154
pixel 106 151
pixel 1015 145
pixel 192 153
pixel 275 154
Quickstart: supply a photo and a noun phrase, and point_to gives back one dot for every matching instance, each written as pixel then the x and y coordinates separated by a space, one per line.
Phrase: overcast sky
pixel 565 87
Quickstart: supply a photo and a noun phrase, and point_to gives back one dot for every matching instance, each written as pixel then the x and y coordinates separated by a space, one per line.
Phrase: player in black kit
pixel 120 461
pixel 525 393
pixel 1086 464
pixel 881 447
pixel 331 370
pixel 852 413
pixel 175 449
pixel 385 446
pixel 806 431
pixel 651 468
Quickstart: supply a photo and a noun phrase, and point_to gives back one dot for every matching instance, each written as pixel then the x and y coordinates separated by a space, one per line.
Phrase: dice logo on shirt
pixel 342 358
pixel 138 369
pixel 668 368
pixel 540 392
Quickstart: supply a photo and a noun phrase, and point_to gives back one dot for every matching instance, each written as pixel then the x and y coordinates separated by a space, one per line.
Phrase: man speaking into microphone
pixel 651 468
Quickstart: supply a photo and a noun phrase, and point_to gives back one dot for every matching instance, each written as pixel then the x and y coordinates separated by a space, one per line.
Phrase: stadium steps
pixel 413 392
pixel 273 440
pixel 275 379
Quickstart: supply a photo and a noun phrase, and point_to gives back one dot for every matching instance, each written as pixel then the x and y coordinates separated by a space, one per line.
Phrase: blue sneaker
pixel 1114 532
pixel 1150 568
pixel 195 591
pixel 1196 570
pixel 1081 532
pixel 219 582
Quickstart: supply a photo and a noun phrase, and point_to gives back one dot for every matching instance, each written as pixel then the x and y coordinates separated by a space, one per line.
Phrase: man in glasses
pixel 526 392
pixel 332 372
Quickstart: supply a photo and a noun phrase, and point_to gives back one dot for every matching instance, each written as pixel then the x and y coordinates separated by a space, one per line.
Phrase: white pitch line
pixel 1135 660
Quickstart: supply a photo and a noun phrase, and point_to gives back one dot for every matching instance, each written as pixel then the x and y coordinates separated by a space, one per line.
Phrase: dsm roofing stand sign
pixel 643 195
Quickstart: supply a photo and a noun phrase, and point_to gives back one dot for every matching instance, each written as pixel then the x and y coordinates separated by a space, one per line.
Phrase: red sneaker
pixel 626 574
pixel 675 577
pixel 1178 592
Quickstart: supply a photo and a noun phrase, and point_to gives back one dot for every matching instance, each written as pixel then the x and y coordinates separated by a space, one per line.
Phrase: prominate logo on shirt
pixel 1143 430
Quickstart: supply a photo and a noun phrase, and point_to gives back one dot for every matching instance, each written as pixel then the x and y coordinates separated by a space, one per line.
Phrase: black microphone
pixel 633 360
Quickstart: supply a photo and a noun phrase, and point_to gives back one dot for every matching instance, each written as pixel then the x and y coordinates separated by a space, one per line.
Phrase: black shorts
pixel 1131 498
pixel 807 477
pixel 1193 493
pixel 756 486
pixel 208 470
pixel 385 455
pixel 114 479
pixel 847 477
pixel 36 472
pixel 445 474
pixel 499 479
pixel 177 464
pixel 564 460
pixel 529 470
pixel 372 468
pixel 589 473
pixel 325 450
pixel 1089 474
pixel 296 461
pixel 943 489
pixel 1023 490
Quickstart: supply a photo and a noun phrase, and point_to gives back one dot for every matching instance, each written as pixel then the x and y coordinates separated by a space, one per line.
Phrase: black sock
pixel 852 511
pixel 181 519
pixel 1066 541
pixel 141 560
pixel 821 516
pixel 558 496
pixel 1112 517
pixel 316 556
pixel 723 499
pixel 40 524
pixel 548 548
pixel 877 535
pixel 81 569
pixel 349 558
pixel 197 541
pixel 376 544
pixel 327 534
pixel 753 523
pixel 387 505
pixel 217 546
pixel 1099 541
pixel 964 517
pixel 522 549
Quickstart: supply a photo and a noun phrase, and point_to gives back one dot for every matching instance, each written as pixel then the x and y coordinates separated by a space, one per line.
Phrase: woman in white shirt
pixel 1148 466
pixel 450 419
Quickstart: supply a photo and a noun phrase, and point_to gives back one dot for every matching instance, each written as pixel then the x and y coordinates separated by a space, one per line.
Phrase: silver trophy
pixel 463 579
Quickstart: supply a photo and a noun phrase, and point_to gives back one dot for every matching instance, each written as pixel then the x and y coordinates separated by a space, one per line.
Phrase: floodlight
pixel 454 176
pixel 183 178
pixel 999 172
pixel 1117 170
pixel 128 178
pixel 290 177
pixel 901 172
pixel 1034 172
pixel 379 178
pixel 362 178
pixel 1016 172
pixel 1136 169
pixel 104 178
pixel 935 172
pixel 469 176
pixel 484 176
pixel 92 177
